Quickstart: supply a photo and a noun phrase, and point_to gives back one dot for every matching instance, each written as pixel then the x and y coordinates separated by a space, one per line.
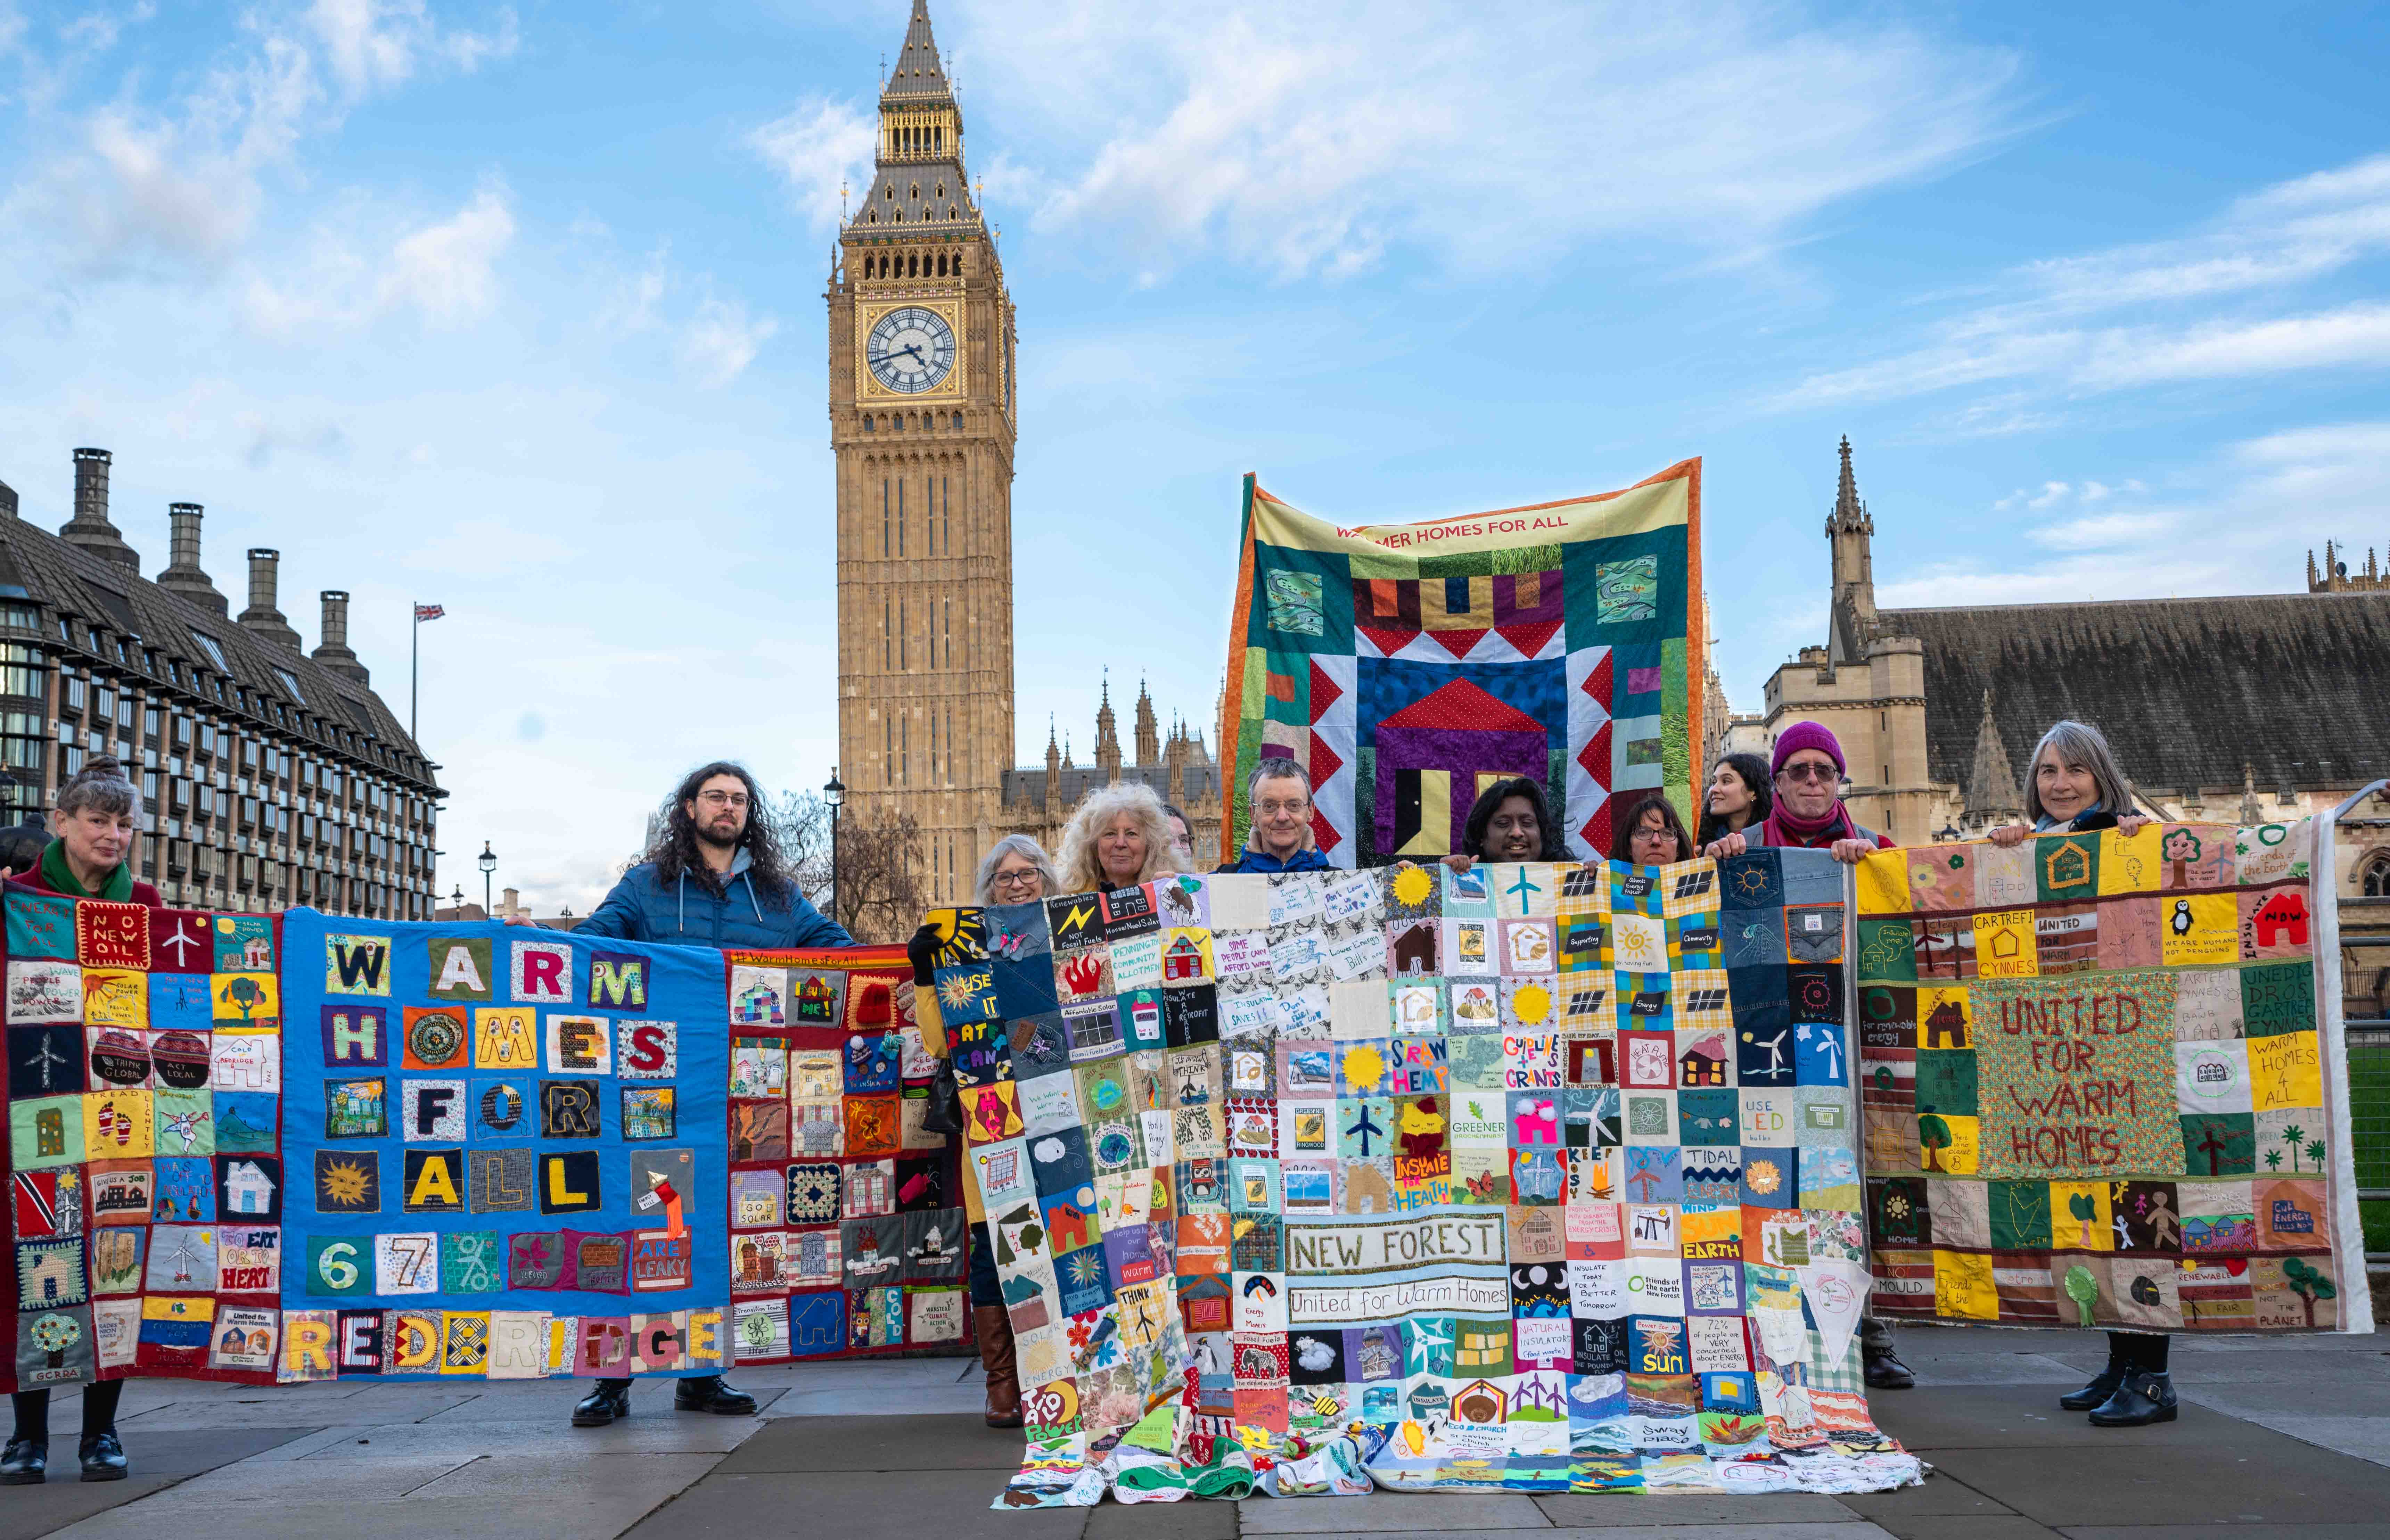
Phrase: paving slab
pixel 904 1443
pixel 160 1460
pixel 2259 1477
pixel 640 1435
pixel 2364 1438
pixel 2212 1531
pixel 1391 1513
pixel 385 1404
pixel 1942 1494
pixel 850 1506
pixel 1967 1526
pixel 629 1483
pixel 1851 1531
pixel 27 1511
pixel 1614 1510
pixel 1994 1417
pixel 1185 1519
pixel 1988 1368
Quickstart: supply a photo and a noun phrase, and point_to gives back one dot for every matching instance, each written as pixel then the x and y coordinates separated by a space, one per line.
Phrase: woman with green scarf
pixel 97 818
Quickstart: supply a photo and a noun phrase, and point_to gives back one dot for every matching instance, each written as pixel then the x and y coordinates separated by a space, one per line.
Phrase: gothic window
pixel 958 422
pixel 866 422
pixel 950 210
pixel 900 501
pixel 890 191
pixel 897 218
pixel 942 264
pixel 884 516
pixel 917 192
pixel 939 191
pixel 884 631
pixel 2377 876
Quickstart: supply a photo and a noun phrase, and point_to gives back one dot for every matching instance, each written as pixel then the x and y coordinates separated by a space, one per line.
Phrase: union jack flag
pixel 428 611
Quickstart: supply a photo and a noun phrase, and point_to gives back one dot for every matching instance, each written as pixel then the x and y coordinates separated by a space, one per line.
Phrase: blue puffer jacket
pixel 690 914
pixel 1263 861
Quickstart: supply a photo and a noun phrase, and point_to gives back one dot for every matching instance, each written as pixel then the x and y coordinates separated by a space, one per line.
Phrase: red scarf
pixel 1785 828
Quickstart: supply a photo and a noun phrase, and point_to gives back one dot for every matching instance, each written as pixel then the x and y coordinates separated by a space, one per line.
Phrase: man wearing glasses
pixel 1281 838
pixel 1809 813
pixel 714 874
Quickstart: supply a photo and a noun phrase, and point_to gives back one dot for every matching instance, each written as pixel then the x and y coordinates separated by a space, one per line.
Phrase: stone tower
pixel 921 418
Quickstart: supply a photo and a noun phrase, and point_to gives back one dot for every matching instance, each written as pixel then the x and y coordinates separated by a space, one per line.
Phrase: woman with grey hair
pixel 1015 870
pixel 1117 837
pixel 96 821
pixel 1279 837
pixel 2075 787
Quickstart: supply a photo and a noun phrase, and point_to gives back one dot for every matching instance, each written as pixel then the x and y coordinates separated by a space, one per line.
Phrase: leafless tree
pixel 880 897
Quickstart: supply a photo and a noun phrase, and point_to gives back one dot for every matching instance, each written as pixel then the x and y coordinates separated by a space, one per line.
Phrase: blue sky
pixel 518 309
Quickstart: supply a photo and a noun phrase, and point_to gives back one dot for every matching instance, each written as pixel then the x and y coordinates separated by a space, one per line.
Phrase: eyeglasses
pixel 723 799
pixel 1026 877
pixel 1282 809
pixel 1810 770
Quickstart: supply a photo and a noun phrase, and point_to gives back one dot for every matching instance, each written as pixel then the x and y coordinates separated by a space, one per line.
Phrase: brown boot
pixel 993 1325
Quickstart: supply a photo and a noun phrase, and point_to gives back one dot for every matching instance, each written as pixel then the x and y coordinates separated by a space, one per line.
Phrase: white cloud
pixel 2105 532
pixel 2142 314
pixel 446 271
pixel 817 147
pixel 373 45
pixel 721 340
pixel 1314 139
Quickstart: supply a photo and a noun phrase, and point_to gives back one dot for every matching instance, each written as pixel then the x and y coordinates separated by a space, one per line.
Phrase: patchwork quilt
pixel 1409 666
pixel 294 1148
pixel 2102 1085
pixel 1539 1178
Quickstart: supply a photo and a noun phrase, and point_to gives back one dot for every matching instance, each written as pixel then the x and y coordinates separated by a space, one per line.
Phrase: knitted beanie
pixel 1805 735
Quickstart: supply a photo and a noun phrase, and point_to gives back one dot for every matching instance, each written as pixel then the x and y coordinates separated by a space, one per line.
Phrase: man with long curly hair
pixel 714 876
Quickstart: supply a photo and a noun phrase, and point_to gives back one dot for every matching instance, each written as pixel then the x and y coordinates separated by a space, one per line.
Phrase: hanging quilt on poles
pixel 1539 1178
pixel 1406 667
pixel 2102 1085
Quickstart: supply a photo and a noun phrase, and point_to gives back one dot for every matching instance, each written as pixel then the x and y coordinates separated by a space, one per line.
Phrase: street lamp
pixel 1947 834
pixel 456 901
pixel 834 793
pixel 488 862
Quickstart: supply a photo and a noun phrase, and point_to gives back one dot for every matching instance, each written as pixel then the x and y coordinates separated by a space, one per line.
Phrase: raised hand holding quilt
pixel 1406 667
pixel 2102 1085
pixel 1539 1177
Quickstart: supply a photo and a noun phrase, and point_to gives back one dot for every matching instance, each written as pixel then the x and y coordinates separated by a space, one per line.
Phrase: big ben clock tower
pixel 921 404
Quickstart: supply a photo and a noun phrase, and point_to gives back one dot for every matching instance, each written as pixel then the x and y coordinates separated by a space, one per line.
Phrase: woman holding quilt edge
pixel 2076 786
pixel 97 818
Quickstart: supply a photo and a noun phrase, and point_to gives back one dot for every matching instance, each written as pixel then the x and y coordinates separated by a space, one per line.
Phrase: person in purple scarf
pixel 1809 814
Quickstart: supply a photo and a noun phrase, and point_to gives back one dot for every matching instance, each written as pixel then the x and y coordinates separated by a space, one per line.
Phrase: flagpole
pixel 414 666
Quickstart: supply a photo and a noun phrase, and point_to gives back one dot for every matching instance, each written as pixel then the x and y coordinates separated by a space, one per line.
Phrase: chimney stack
pixel 183 574
pixel 335 654
pixel 89 528
pixel 261 616
pixel 8 501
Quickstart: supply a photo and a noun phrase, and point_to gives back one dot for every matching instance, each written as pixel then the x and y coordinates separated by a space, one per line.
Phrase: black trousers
pixel 618 1386
pixel 99 1399
pixel 2140 1349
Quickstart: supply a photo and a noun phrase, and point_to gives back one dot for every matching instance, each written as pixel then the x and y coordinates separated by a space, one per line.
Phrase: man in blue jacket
pixel 715 875
pixel 1280 838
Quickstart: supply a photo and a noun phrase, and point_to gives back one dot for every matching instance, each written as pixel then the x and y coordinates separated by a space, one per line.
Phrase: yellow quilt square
pixel 245 1001
pixel 2004 946
pixel 118 1124
pixel 2081 1217
pixel 115 997
pixel 2284 1072
pixel 2199 930
pixel 2130 863
pixel 1945 1019
pixel 505 1038
pixel 1962 1286
pixel 1949 1144
pixel 1883 881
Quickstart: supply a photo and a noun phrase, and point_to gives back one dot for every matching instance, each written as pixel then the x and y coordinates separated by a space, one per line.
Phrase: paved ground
pixel 2277 1439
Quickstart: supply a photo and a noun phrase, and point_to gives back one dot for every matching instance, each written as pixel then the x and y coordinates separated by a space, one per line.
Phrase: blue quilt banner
pixel 503 1153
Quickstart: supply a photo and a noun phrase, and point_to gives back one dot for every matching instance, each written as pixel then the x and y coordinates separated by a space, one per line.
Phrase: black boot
pixel 103 1458
pixel 2096 1392
pixel 2146 1396
pixel 608 1402
pixel 708 1394
pixel 25 1463
pixel 1885 1369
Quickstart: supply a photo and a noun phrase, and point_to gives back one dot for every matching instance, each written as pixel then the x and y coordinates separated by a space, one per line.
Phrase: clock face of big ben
pixel 910 350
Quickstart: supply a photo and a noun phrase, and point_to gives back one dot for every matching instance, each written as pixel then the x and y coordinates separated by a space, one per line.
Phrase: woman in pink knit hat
pixel 1809 815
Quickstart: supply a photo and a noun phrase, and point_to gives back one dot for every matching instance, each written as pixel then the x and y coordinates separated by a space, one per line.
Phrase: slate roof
pixel 337 716
pixel 2184 689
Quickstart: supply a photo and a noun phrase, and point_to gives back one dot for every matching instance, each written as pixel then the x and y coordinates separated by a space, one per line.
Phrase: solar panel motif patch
pixel 1494 1182
pixel 2102 1085
pixel 1406 667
